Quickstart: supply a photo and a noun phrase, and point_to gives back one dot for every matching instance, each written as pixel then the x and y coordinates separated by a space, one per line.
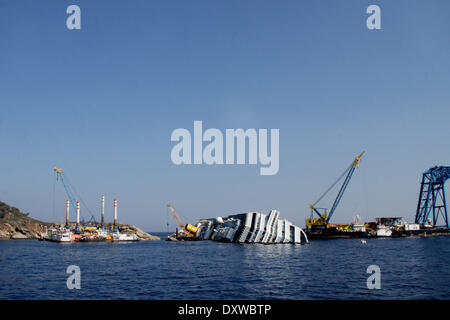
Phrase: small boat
pixel 60 235
pixel 116 236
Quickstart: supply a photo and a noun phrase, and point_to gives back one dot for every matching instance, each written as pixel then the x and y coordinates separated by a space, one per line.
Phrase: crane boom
pixel 70 190
pixel 60 176
pixel 324 218
pixel 175 215
pixel 344 186
pixel 191 230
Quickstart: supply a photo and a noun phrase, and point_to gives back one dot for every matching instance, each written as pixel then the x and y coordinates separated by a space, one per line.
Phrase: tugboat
pixel 60 235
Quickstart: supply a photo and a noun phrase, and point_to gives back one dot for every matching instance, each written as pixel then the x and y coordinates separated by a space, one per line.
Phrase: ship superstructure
pixel 251 227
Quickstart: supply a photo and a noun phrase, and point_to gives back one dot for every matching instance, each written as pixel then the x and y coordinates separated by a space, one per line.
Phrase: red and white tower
pixel 103 209
pixel 67 212
pixel 115 212
pixel 78 213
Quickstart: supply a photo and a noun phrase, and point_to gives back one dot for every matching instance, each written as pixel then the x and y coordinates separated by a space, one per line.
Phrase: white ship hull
pixel 254 228
pixel 251 227
pixel 261 228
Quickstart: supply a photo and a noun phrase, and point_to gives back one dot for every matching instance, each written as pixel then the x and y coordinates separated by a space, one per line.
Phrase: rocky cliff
pixel 141 235
pixel 15 224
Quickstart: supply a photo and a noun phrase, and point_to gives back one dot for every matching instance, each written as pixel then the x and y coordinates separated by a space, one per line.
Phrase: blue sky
pixel 102 102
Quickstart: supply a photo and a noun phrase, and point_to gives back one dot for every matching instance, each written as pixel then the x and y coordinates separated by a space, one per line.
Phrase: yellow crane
pixel 191 230
pixel 323 218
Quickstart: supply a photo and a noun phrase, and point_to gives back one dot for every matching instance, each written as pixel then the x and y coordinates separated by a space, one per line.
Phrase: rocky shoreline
pixel 15 224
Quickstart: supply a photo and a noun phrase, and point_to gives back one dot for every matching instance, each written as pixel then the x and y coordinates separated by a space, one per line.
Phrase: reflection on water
pixel 411 268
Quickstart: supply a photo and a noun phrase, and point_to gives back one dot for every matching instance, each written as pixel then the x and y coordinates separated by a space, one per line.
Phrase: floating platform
pixel 427 232
pixel 62 234
pixel 336 234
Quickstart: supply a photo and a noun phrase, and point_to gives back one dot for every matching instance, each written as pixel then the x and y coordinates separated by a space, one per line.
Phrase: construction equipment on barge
pixel 84 231
pixel 431 217
pixel 188 231
pixel 432 204
pixel 320 227
pixel 71 192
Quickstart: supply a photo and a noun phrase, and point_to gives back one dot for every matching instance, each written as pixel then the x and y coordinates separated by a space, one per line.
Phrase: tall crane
pixel 324 217
pixel 432 204
pixel 71 192
pixel 191 231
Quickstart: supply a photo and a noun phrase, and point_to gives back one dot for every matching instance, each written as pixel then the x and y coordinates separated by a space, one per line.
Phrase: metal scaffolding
pixel 432 204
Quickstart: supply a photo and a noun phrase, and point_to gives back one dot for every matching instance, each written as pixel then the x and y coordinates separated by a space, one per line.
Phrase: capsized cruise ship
pixel 251 227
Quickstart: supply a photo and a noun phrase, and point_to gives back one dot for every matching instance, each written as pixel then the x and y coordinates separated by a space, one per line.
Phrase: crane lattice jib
pixel 341 192
pixel 70 191
pixel 348 175
pixel 432 197
pixel 175 215
pixel 60 176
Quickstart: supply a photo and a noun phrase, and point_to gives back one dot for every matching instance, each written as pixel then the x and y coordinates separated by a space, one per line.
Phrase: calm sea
pixel 411 268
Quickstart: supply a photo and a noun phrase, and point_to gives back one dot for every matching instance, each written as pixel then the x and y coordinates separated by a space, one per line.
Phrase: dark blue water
pixel 411 268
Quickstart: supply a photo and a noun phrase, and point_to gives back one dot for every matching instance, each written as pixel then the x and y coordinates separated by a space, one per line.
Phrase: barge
pixel 63 234
pixel 383 227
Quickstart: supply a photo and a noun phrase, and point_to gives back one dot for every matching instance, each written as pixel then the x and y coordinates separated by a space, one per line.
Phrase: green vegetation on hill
pixel 9 213
pixel 15 224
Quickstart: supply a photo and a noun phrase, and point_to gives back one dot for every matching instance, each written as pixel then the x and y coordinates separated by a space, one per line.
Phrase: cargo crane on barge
pixel 320 227
pixel 70 192
pixel 189 230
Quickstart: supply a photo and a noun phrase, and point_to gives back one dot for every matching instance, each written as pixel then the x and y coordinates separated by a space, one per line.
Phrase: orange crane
pixel 191 230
